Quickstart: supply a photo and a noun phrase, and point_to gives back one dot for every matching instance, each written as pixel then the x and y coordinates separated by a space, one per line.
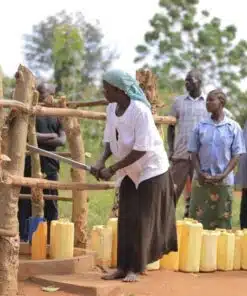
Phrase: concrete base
pixel 83 261
pixel 88 284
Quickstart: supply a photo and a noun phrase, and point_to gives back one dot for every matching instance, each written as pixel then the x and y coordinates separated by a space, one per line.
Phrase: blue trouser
pixel 25 208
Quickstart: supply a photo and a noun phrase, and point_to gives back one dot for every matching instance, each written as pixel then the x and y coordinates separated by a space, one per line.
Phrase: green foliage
pixel 180 40
pixel 67 57
pixel 72 30
pixel 8 86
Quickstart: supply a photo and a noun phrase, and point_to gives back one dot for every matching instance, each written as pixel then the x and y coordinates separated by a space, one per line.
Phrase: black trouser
pixel 243 209
pixel 25 208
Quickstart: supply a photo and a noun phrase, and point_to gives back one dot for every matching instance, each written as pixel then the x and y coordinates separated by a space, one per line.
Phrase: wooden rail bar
pixel 66 112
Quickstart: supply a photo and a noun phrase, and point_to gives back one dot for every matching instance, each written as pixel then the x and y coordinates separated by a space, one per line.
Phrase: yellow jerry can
pixel 171 260
pixel 64 240
pixel 190 246
pixel 102 244
pixel 52 238
pixel 39 242
pixel 208 260
pixel 244 250
pixel 113 223
pixel 238 250
pixel 154 266
pixel 225 251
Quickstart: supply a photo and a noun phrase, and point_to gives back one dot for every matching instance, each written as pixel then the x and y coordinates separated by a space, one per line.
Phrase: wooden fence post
pixel 80 198
pixel 37 193
pixel 9 232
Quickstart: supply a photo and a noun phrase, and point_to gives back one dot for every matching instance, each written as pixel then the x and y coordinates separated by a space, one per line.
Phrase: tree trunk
pixel 9 232
pixel 148 83
pixel 80 203
pixel 37 193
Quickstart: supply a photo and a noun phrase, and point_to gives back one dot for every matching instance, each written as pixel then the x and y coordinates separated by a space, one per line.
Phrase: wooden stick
pixel 9 246
pixel 47 184
pixel 47 197
pixel 37 193
pixel 77 104
pixel 80 205
pixel 60 112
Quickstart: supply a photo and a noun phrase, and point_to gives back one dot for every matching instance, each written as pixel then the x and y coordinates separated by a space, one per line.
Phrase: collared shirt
pixel 188 112
pixel 241 176
pixel 136 130
pixel 216 144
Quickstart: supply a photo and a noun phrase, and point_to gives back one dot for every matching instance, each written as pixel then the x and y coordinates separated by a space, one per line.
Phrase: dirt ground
pixel 159 283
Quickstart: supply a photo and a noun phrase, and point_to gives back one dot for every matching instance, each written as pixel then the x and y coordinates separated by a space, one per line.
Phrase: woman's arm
pixel 202 177
pixel 231 165
pixel 100 164
pixel 132 157
pixel 106 154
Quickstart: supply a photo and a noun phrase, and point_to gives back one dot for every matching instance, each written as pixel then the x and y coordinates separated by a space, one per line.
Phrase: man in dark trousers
pixel 188 109
pixel 50 135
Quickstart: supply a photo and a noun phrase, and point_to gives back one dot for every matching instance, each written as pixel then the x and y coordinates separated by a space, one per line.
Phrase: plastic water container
pixel 101 237
pixel 64 240
pixel 225 251
pixel 190 246
pixel 31 226
pixel 154 266
pixel 238 250
pixel 244 250
pixel 39 242
pixel 52 238
pixel 171 260
pixel 208 260
pixel 113 223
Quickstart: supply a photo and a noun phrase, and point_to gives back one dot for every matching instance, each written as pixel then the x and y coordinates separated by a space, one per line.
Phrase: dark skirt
pixel 146 222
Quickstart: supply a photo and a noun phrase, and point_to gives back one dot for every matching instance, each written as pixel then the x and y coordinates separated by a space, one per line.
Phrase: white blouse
pixel 136 130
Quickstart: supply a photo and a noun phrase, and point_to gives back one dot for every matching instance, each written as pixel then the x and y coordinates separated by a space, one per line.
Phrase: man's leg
pixel 243 209
pixel 188 189
pixel 51 206
pixel 180 170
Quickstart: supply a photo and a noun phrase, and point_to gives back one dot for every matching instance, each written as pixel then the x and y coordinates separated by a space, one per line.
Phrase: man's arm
pixel 43 138
pixel 171 130
pixel 171 139
pixel 57 141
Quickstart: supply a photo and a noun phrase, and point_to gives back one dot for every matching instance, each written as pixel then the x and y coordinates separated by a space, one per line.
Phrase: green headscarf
pixel 126 83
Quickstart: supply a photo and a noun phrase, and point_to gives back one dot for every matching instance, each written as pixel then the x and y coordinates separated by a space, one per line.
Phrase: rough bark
pixel 47 184
pixel 47 197
pixel 37 193
pixel 9 234
pixel 148 83
pixel 80 204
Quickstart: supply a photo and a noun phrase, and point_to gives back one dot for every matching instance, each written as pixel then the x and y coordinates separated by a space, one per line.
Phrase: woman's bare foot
pixel 116 275
pixel 131 277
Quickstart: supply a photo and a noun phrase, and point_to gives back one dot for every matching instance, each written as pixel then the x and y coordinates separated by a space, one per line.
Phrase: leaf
pixel 49 289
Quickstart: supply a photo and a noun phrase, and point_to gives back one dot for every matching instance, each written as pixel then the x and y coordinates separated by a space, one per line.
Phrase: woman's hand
pixel 107 173
pixel 217 178
pixel 96 169
pixel 203 178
